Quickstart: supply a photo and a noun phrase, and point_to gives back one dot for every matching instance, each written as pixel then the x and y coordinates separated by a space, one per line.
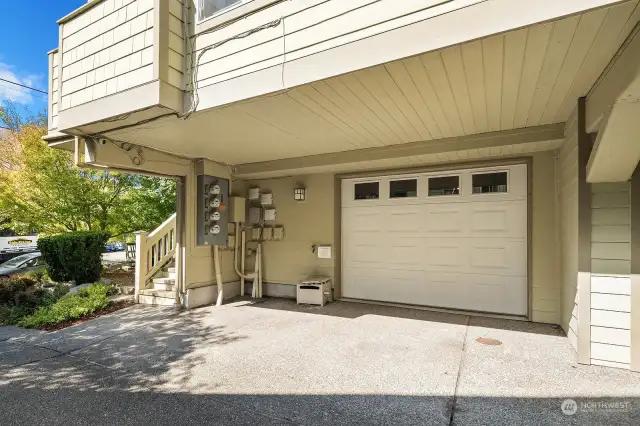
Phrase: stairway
pixel 163 291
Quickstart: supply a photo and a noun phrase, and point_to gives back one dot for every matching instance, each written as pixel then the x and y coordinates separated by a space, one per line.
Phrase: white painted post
pixel 141 262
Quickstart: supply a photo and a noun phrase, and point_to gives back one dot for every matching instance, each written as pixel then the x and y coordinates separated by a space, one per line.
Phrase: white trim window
pixel 210 8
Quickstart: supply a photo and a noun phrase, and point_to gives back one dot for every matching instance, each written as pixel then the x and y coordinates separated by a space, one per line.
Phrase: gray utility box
pixel 213 211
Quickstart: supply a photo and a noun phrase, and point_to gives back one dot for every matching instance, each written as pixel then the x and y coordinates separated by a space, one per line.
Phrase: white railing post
pixel 141 262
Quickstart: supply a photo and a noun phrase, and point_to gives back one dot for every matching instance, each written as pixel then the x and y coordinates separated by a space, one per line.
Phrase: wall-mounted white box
pixel 324 252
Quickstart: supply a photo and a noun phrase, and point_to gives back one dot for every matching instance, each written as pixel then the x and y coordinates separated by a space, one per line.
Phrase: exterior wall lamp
pixel 300 194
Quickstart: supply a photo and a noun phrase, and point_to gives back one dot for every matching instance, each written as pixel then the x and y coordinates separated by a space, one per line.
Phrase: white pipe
pixel 235 258
pixel 216 263
pixel 255 292
pixel 242 260
pixel 259 255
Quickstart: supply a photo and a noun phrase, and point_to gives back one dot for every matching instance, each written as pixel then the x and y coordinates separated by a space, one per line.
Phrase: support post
pixel 635 271
pixel 141 263
pixel 584 239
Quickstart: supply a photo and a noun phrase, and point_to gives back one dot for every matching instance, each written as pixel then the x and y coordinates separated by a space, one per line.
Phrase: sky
pixel 28 30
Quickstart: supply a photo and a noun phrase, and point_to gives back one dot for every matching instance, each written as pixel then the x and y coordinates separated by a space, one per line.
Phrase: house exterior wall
pixel 567 190
pixel 175 45
pixel 54 87
pixel 315 222
pixel 108 49
pixel 610 274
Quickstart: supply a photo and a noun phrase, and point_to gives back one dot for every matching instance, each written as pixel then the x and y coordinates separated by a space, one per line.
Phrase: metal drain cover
pixel 488 341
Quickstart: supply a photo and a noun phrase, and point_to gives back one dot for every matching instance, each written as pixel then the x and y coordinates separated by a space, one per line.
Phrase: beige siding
pixel 610 280
pixel 176 44
pixel 54 88
pixel 525 77
pixel 568 228
pixel 107 49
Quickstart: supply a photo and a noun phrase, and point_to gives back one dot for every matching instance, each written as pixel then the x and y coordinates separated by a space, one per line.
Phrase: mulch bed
pixel 113 307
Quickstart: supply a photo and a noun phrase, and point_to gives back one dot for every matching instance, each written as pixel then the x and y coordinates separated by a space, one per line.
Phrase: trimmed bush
pixel 70 307
pixel 21 296
pixel 75 256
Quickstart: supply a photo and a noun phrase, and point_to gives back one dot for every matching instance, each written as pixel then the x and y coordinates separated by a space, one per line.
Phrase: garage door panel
pixel 497 294
pixel 445 255
pixel 404 220
pixel 498 219
pixel 445 219
pixel 363 219
pixel 464 252
pixel 499 257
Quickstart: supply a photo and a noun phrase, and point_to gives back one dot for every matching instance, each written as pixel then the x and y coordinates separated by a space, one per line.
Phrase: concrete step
pixel 171 275
pixel 164 280
pixel 171 270
pixel 150 299
pixel 158 293
pixel 163 286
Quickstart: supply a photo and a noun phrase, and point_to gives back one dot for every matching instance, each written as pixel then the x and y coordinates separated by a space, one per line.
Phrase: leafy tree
pixel 42 191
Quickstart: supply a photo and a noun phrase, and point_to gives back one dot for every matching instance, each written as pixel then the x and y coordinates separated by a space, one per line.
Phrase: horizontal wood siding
pixel 568 228
pixel 176 45
pixel 106 50
pixel 610 279
pixel 54 87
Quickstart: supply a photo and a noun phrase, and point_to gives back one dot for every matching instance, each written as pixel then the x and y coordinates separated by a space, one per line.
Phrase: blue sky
pixel 23 49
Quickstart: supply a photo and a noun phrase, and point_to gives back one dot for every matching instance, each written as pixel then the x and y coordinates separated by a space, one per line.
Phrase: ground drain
pixel 488 341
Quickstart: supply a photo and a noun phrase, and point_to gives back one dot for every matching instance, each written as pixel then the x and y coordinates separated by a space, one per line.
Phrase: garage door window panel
pixel 366 191
pixel 444 186
pixel 490 183
pixel 406 188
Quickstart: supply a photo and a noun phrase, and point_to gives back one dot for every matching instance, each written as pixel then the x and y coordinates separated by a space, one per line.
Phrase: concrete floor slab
pixel 273 362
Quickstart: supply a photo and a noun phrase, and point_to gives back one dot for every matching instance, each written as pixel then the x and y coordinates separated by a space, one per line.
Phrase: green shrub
pixel 70 307
pixel 40 276
pixel 21 296
pixel 75 256
pixel 11 286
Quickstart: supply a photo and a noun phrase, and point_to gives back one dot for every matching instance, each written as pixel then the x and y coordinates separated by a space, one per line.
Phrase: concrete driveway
pixel 272 362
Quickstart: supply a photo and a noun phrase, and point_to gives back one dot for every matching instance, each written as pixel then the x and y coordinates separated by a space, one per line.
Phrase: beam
pixel 621 72
pixel 552 132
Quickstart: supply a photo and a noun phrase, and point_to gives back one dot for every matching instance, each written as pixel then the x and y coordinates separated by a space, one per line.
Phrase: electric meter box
pixel 213 210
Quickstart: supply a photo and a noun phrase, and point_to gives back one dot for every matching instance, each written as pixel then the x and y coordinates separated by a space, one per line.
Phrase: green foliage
pixel 75 256
pixel 70 307
pixel 10 287
pixel 21 296
pixel 42 191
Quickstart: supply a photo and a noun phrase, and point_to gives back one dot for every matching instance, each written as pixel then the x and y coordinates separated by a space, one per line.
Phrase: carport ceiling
pixel 528 77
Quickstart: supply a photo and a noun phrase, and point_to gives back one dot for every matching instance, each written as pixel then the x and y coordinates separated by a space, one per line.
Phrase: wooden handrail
pixel 153 251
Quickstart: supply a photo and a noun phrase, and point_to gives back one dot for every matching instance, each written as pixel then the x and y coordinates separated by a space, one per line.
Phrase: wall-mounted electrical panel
pixel 256 234
pixel 266 199
pixel 213 210
pixel 267 233
pixel 254 194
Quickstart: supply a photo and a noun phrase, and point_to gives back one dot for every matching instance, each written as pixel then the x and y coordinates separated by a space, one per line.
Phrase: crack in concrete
pixel 459 373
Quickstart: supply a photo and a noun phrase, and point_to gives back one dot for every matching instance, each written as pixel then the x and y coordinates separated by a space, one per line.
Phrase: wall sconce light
pixel 299 194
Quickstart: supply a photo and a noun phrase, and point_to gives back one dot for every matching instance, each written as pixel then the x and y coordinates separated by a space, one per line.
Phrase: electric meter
pixel 215 202
pixel 215 229
pixel 215 216
pixel 213 210
pixel 214 189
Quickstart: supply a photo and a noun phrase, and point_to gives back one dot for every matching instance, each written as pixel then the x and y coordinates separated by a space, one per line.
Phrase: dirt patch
pixel 113 307
pixel 120 277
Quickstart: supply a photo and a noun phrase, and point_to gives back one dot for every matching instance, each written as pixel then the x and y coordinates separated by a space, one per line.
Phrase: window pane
pixel 209 8
pixel 367 191
pixel 485 183
pixel 403 188
pixel 447 185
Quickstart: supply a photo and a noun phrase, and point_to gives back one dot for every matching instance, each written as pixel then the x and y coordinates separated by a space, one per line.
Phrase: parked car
pixel 22 264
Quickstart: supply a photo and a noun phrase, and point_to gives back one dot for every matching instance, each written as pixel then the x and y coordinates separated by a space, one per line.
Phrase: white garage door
pixel 449 239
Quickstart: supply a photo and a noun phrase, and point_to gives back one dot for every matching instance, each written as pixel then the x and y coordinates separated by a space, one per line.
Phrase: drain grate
pixel 488 341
